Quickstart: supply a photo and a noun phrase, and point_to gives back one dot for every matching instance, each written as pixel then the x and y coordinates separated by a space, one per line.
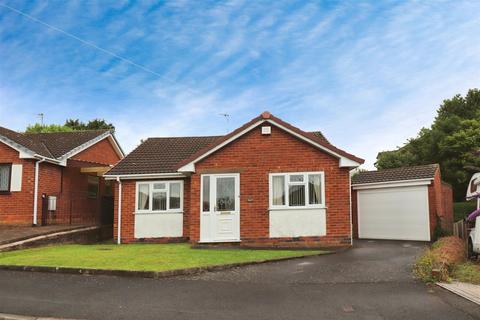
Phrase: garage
pixel 394 213
pixel 400 204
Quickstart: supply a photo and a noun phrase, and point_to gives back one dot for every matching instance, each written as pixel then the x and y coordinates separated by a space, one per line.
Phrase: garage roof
pixel 396 174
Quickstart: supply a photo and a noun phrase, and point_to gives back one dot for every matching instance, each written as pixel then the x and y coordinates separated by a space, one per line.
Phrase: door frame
pixel 213 177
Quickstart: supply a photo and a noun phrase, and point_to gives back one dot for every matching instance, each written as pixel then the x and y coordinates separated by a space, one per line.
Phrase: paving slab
pixel 466 290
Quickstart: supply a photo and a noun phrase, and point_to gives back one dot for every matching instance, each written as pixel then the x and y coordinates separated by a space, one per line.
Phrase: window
pixel 159 196
pixel 5 175
pixel 297 190
pixel 93 184
pixel 206 193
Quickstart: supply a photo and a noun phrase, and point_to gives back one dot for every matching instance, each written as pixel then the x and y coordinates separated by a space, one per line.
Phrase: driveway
pixel 371 281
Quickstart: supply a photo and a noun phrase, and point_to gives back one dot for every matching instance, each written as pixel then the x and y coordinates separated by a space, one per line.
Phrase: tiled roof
pixel 160 155
pixel 396 174
pixel 51 145
pixel 60 143
pixel 167 155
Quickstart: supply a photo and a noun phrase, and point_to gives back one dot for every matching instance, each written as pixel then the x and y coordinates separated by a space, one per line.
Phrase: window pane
pixel 4 177
pixel 174 196
pixel 296 178
pixel 296 195
pixel 314 188
pixel 159 201
pixel 206 194
pixel 225 194
pixel 143 196
pixel 159 186
pixel 278 190
pixel 93 184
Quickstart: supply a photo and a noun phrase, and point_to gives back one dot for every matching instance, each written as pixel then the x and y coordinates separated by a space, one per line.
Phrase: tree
pixel 38 128
pixel 71 125
pixel 453 141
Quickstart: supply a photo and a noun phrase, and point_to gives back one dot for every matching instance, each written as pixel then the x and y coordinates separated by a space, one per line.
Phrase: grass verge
pixel 467 272
pixel 140 257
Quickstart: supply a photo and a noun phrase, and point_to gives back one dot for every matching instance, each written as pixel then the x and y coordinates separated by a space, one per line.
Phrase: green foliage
pixel 462 209
pixel 467 272
pixel 95 124
pixel 38 128
pixel 71 125
pixel 453 141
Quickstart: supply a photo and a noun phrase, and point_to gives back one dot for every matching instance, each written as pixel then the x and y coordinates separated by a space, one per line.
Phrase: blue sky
pixel 369 74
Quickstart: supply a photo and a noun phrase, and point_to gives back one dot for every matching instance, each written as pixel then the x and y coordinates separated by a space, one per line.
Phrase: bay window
pixel 297 190
pixel 159 196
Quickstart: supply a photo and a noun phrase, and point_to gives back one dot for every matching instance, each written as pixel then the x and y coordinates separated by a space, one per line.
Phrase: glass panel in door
pixel 225 195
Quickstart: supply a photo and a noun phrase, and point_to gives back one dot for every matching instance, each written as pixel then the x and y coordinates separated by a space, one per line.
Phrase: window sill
pixel 297 208
pixel 158 212
pixel 5 193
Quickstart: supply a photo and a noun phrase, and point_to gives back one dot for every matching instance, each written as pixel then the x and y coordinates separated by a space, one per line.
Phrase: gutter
pixel 144 176
pixel 119 219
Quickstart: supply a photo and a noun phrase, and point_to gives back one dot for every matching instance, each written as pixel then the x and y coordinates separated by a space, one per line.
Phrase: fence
pixel 78 209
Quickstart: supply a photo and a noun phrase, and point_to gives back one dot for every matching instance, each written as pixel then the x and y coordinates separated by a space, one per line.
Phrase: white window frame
pixel 287 182
pixel 150 198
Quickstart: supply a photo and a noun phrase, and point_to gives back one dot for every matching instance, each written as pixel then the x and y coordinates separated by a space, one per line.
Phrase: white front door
pixel 220 207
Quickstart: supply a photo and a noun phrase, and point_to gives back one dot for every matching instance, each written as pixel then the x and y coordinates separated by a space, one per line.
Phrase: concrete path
pixel 10 234
pixel 371 281
pixel 466 290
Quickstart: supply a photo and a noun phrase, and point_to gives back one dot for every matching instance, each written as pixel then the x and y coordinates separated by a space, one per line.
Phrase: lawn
pixel 140 257
pixel 462 209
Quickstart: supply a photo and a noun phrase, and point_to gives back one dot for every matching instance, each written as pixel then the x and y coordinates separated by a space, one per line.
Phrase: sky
pixel 368 74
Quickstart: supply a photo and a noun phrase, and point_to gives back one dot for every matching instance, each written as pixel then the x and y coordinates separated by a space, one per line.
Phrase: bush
pixel 467 272
pixel 437 262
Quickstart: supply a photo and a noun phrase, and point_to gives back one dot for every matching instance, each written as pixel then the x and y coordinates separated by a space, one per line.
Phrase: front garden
pixel 140 257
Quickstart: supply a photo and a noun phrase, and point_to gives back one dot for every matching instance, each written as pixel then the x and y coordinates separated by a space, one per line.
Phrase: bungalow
pixel 55 178
pixel 266 183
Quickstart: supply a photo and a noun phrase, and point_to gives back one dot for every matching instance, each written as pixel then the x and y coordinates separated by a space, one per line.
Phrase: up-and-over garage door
pixel 399 213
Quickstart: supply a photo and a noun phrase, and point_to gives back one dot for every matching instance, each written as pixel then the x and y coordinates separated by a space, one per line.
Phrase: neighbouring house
pixel 266 183
pixel 56 178
pixel 406 203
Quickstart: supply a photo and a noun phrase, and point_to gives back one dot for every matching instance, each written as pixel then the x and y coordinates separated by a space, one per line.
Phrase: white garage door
pixel 399 213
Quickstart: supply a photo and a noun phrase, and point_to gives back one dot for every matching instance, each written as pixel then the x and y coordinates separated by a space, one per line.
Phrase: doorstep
pixel 466 290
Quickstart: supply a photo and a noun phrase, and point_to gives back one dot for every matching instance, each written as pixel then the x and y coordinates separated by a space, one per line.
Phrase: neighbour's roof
pixel 51 145
pixel 167 155
pixel 160 155
pixel 60 143
pixel 396 174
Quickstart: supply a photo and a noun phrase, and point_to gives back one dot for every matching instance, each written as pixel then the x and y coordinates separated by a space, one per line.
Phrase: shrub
pixel 467 272
pixel 437 262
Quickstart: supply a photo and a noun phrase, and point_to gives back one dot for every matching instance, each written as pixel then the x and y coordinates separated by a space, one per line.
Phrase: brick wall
pixel 67 183
pixel 102 152
pixel 447 194
pixel 255 156
pixel 17 207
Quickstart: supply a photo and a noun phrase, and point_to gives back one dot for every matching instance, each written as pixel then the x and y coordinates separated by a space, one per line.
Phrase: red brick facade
pixel 254 156
pixel 440 204
pixel 68 184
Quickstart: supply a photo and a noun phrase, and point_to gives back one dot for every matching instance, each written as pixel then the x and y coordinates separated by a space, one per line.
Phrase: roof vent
pixel 266 130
